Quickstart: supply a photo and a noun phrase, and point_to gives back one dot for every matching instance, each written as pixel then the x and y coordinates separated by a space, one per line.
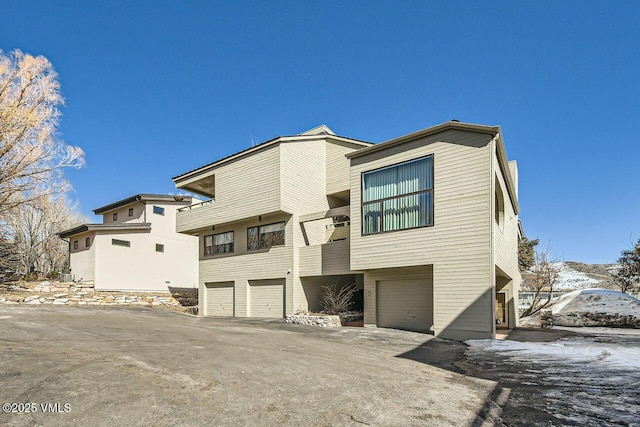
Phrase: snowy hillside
pixel 573 279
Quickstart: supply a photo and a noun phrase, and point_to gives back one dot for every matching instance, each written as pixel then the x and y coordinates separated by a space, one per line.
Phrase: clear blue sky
pixel 156 88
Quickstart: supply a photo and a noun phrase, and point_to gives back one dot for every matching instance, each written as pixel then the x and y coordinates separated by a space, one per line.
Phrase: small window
pixel 158 210
pixel 159 247
pixel 216 244
pixel 75 245
pixel 115 216
pixel 117 242
pixel 130 211
pixel 265 236
pixel 87 242
pixel 499 205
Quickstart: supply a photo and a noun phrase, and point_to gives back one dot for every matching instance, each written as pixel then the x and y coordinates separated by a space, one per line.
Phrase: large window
pixel 216 244
pixel 265 236
pixel 398 197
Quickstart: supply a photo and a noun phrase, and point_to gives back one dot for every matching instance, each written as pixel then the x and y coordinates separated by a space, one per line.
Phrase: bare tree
pixel 31 155
pixel 541 277
pixel 31 233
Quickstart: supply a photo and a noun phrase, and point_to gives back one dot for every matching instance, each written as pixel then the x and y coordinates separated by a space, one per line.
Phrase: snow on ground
pixel 591 307
pixel 573 279
pixel 586 380
pixel 577 351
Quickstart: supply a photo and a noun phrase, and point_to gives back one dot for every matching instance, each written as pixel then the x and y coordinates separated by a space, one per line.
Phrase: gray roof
pixel 138 226
pixel 143 198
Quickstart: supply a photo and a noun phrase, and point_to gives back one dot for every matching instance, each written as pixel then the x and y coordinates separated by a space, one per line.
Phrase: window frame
pixel 87 242
pixel 130 211
pixel 158 210
pixel 115 216
pixel 75 245
pixel 499 205
pixel 213 245
pixel 122 243
pixel 159 247
pixel 382 200
pixel 260 247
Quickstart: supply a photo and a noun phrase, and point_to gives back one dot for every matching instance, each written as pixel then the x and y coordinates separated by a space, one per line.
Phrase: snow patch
pixel 572 279
pixel 571 350
pixel 591 307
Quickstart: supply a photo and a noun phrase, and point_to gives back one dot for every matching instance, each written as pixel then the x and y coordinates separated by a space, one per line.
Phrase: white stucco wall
pixel 83 259
pixel 140 267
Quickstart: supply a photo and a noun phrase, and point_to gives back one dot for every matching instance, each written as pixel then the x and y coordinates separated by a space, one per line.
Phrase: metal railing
pixel 197 205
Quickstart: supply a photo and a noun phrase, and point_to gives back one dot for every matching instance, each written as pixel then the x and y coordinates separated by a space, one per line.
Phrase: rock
pixel 31 298
pixel 60 295
pixel 61 300
pixel 34 301
pixel 140 303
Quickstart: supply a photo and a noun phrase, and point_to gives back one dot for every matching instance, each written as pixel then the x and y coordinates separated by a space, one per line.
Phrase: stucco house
pixel 136 247
pixel 426 225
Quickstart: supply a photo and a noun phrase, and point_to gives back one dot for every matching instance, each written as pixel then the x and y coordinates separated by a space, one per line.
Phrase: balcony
pixel 194 217
pixel 327 259
pixel 196 205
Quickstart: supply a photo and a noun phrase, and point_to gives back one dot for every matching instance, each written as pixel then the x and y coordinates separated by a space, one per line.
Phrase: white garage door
pixel 266 298
pixel 405 304
pixel 219 299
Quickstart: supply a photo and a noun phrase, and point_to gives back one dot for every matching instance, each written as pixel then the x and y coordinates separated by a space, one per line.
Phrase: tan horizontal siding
pixel 244 188
pixel 243 266
pixel 328 259
pixel 337 167
pixel 302 186
pixel 506 237
pixel 458 245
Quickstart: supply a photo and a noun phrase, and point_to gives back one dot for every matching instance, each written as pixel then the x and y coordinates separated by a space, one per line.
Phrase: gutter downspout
pixel 144 209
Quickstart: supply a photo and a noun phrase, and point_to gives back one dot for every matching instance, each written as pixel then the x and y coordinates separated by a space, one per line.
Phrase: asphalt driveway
pixel 132 366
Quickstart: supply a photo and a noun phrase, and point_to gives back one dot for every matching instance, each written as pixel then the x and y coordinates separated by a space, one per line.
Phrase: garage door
pixel 219 299
pixel 266 298
pixel 405 304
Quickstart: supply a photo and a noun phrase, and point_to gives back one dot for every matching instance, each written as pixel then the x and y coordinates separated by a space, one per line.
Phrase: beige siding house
pixel 438 251
pixel 426 225
pixel 273 230
pixel 136 248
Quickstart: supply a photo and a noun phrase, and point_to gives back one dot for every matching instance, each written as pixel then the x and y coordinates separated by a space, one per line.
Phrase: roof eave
pixel 491 130
pixel 141 198
pixel 144 226
pixel 272 142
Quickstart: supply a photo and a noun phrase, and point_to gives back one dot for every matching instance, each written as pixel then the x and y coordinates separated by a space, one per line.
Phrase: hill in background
pixel 578 275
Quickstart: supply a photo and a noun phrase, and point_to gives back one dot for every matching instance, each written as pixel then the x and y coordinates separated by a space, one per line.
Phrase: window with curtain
pixel 398 197
pixel 265 236
pixel 216 244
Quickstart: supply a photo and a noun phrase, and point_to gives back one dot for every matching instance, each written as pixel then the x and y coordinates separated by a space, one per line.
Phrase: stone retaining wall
pixel 82 299
pixel 77 294
pixel 322 321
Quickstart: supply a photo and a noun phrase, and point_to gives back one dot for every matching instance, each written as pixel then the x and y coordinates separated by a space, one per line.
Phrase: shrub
pixel 336 301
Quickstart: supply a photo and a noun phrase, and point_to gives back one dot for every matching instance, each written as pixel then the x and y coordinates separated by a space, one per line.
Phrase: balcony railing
pixel 197 205
pixel 326 259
